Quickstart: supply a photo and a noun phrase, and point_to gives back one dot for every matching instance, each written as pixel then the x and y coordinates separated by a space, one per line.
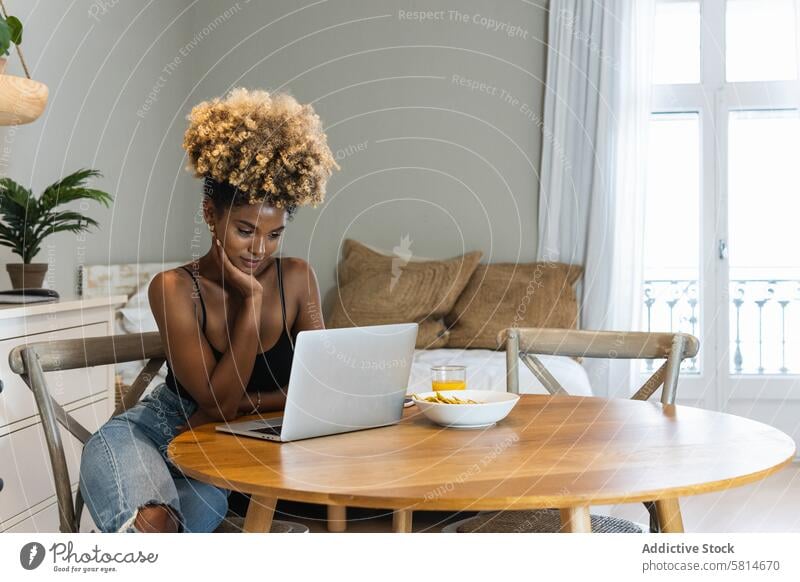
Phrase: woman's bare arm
pixel 270 402
pixel 303 283
pixel 217 387
pixel 300 283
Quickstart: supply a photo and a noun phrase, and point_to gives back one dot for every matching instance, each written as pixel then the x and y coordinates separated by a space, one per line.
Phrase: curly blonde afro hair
pixel 253 147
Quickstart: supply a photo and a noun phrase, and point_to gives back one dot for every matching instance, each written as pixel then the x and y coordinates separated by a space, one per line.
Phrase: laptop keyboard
pixel 273 430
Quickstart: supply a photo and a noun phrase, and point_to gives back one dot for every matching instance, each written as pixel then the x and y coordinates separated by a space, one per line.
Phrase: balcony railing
pixel 672 305
pixel 764 321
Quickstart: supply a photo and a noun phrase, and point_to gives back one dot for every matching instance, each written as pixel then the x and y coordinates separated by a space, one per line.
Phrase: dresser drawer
pixel 25 463
pixel 46 521
pixel 16 399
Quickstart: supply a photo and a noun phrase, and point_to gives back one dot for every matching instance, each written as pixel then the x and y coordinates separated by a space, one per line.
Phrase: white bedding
pixel 136 317
pixel 486 369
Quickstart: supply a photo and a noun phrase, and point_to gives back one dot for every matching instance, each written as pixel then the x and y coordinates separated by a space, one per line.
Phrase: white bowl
pixel 493 407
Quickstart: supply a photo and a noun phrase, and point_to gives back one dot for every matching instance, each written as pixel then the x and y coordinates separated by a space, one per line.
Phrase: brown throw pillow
pixel 376 289
pixel 505 295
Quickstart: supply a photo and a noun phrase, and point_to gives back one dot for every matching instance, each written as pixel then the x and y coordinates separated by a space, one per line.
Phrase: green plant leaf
pixel 16 202
pixel 8 238
pixel 76 178
pixel 7 184
pixel 66 218
pixel 59 192
pixel 5 37
pixel 20 212
pixel 71 194
pixel 15 27
pixel 27 221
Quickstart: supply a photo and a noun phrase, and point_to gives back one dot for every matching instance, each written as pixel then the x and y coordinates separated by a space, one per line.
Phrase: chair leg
pixel 78 510
pixel 512 361
pixel 58 463
pixel 651 509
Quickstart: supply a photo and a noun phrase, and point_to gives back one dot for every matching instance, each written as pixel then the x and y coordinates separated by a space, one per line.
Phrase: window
pixel 723 192
pixel 763 203
pixel 677 43
pixel 761 40
pixel 671 264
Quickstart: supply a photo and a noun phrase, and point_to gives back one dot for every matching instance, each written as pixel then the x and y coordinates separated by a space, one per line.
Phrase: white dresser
pixel 27 493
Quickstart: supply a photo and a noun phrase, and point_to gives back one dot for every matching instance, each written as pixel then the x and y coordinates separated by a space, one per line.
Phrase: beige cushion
pixel 377 288
pixel 505 295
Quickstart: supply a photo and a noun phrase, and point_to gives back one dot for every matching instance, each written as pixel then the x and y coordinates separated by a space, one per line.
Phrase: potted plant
pixel 25 221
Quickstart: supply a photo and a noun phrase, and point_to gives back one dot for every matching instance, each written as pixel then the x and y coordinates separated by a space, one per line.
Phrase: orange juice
pixel 449 385
pixel 448 377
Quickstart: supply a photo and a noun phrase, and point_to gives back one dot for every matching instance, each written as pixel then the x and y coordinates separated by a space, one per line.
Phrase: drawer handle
pixel 1 385
pixel 1 484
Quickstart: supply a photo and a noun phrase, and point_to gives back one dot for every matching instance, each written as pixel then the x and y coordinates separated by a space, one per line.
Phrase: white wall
pixel 454 168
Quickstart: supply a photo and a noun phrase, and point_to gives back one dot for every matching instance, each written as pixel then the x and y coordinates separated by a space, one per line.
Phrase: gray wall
pixel 423 154
pixel 100 67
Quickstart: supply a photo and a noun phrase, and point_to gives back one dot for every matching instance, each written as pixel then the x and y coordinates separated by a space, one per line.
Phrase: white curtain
pixel 591 206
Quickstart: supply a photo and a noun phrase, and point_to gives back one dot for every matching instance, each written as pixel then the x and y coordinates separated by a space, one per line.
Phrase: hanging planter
pixel 22 99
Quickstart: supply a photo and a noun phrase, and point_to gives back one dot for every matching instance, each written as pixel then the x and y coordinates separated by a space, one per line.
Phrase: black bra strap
pixel 283 298
pixel 280 290
pixel 196 284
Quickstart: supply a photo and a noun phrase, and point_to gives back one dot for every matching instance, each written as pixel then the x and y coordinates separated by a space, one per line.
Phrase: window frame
pixel 713 98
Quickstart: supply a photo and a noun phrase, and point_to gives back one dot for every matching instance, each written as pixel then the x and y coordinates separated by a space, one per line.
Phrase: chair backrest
pixel 32 360
pixel 524 343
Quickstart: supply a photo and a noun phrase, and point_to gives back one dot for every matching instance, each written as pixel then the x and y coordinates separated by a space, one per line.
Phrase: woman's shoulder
pixel 297 273
pixel 175 280
pixel 295 266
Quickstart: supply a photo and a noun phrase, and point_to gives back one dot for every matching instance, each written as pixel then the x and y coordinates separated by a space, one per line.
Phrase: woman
pixel 227 320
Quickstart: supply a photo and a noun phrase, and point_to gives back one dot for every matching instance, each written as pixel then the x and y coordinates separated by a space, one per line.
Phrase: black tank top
pixel 271 368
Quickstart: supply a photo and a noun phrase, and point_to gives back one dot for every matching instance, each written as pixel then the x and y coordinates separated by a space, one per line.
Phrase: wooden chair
pixel 32 360
pixel 525 343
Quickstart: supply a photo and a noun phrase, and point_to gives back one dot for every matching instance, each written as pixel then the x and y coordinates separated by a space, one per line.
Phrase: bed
pixel 486 369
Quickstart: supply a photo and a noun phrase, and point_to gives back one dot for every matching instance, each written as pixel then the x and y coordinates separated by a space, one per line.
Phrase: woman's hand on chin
pixel 245 284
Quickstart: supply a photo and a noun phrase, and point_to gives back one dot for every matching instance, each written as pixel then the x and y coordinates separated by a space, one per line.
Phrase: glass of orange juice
pixel 449 377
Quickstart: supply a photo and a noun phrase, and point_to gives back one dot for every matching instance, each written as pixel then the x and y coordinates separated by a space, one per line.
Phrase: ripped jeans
pixel 124 466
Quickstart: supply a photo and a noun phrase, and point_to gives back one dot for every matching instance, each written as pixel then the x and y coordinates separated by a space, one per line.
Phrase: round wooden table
pixel 561 452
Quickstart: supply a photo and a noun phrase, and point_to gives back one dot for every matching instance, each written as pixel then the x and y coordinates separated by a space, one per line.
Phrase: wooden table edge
pixel 467 504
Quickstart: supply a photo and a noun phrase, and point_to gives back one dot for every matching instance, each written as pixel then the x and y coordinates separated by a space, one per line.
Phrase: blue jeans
pixel 124 466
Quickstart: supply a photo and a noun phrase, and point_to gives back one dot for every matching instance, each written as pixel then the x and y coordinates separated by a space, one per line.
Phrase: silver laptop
pixel 341 380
